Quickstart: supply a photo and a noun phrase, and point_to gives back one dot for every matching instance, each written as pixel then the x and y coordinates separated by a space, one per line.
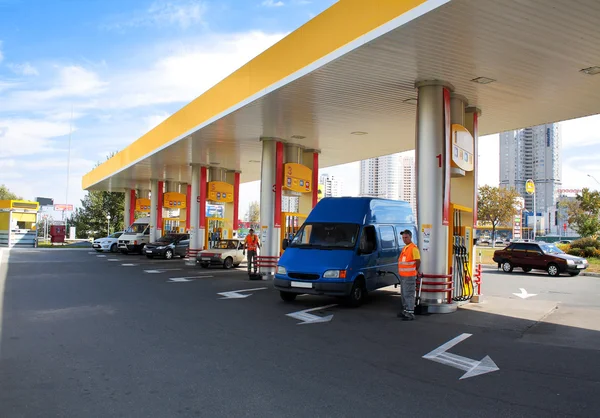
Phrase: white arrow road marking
pixel 308 318
pixel 185 279
pixel 524 294
pixel 128 265
pixel 112 259
pixel 159 271
pixel 471 367
pixel 234 294
pixel 100 255
pixel 93 252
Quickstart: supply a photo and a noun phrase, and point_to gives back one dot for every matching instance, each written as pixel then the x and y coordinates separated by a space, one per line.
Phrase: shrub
pixel 584 243
pixel 577 252
pixel 589 252
pixel 564 247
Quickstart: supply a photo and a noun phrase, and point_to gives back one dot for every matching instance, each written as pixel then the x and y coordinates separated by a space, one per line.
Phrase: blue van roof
pixel 361 210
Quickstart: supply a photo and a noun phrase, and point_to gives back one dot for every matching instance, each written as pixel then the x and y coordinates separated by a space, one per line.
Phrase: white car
pixel 108 243
pixel 227 253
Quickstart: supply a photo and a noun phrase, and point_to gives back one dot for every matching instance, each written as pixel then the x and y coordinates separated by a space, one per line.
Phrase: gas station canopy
pixel 344 84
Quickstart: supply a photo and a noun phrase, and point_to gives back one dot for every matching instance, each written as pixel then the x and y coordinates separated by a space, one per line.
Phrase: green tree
pixel 90 219
pixel 6 194
pixel 584 213
pixel 496 206
pixel 253 214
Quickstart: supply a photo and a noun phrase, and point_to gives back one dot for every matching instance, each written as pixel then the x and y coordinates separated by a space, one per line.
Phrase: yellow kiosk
pixel 298 187
pixel 220 199
pixel 18 220
pixel 174 213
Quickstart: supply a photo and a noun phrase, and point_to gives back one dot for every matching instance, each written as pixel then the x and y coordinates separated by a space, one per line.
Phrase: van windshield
pixel 136 229
pixel 326 236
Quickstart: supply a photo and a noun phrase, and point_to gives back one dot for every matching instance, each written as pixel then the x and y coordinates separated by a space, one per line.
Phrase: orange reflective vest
pixel 251 242
pixel 407 264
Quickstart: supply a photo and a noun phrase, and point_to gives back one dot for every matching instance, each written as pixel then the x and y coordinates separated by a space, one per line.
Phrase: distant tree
pixel 584 213
pixel 496 206
pixel 253 214
pixel 90 219
pixel 6 194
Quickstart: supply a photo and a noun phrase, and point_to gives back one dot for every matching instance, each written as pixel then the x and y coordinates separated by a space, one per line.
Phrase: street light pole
pixel 108 220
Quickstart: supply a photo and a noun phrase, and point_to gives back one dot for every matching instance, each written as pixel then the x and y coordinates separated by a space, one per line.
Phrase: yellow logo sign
pixel 530 187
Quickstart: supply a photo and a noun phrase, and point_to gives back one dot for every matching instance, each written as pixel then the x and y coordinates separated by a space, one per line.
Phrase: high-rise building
pixel 407 185
pixel 332 187
pixel 379 177
pixel 533 153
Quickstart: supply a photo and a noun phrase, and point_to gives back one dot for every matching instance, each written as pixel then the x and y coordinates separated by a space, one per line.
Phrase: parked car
pixel 539 256
pixel 107 243
pixel 169 246
pixel 227 253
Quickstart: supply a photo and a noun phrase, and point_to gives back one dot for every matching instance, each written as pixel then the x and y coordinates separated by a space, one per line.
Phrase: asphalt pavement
pixel 103 335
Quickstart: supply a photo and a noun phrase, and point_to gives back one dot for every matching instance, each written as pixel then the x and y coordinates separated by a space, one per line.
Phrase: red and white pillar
pixel 315 179
pixel 129 209
pixel 236 202
pixel 202 207
pixel 271 182
pixel 433 187
pixel 159 214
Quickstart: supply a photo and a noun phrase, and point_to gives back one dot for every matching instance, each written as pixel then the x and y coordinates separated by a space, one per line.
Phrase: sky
pixel 98 74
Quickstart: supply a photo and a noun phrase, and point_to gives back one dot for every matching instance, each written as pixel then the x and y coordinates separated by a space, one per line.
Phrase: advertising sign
pixel 174 200
pixel 530 187
pixel 297 178
pixel 219 191
pixel 215 211
pixel 517 225
pixel 142 205
pixel 63 207
pixel 462 148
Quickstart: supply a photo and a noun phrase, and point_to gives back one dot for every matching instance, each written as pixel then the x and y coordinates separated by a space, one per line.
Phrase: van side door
pixel 366 258
pixel 387 257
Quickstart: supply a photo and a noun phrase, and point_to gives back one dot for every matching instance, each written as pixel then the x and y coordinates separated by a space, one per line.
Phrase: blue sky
pixel 123 66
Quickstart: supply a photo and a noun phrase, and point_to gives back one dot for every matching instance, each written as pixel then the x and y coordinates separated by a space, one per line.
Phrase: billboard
pixel 63 207
pixel 45 201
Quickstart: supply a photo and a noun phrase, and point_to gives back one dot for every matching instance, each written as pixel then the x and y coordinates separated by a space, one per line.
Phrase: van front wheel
pixel 358 293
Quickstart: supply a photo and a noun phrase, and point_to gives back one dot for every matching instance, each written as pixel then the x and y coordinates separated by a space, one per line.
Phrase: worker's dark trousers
pixel 251 260
pixel 408 286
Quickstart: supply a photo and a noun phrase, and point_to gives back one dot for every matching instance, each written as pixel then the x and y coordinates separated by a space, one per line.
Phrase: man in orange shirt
pixel 408 268
pixel 252 244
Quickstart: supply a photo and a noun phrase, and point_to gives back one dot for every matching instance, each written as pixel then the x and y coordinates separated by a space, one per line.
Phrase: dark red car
pixel 539 256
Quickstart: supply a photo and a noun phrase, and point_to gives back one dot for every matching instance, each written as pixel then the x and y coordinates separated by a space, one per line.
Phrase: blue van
pixel 343 246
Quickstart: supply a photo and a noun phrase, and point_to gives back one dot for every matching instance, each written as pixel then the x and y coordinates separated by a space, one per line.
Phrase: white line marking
pixel 160 271
pixel 471 367
pixel 308 318
pixel 185 279
pixel 524 294
pixel 235 294
pixel 128 265
pixel 101 255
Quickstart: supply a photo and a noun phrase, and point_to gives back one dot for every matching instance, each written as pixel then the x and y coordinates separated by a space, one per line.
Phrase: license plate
pixel 580 266
pixel 302 285
pixel 148 251
pixel 205 258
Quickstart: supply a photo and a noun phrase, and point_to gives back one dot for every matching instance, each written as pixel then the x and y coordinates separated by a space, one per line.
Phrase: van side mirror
pixel 285 243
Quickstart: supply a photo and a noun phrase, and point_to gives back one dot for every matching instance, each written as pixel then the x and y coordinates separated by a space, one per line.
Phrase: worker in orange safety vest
pixel 408 269
pixel 252 244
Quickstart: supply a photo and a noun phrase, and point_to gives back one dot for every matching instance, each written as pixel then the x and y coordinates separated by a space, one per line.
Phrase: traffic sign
pixel 530 187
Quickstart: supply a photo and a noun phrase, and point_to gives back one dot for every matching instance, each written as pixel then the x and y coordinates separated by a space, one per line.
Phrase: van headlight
pixel 281 270
pixel 334 274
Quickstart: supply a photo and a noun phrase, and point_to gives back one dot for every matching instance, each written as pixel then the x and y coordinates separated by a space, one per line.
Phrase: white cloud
pixel 581 132
pixel 183 13
pixel 488 173
pixel 22 136
pixel 23 69
pixel 272 3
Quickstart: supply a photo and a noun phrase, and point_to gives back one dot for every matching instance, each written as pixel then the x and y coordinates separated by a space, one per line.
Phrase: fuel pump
pixel 461 260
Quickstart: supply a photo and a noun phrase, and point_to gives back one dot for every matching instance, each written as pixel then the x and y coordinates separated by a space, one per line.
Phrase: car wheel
pixel 288 296
pixel 204 265
pixel 168 254
pixel 228 263
pixel 553 270
pixel 507 267
pixel 113 248
pixel 526 269
pixel 358 293
pixel 573 274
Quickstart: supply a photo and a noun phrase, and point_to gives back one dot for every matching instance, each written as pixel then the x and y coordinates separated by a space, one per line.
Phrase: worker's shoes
pixel 406 316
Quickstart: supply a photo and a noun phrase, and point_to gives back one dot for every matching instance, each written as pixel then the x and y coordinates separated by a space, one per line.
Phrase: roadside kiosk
pixel 18 220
